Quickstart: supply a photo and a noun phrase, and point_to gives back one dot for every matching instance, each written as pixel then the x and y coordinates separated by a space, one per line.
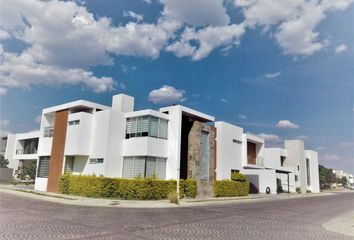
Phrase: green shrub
pixel 225 188
pixel 239 177
pixel 187 188
pixel 64 183
pixel 238 186
pixel 103 187
pixel 298 190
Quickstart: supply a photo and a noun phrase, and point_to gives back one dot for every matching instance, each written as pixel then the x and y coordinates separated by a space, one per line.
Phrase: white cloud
pixel 4 123
pixel 270 137
pixel 272 75
pixel 223 100
pixel 330 157
pixel 286 124
pixel 68 40
pixel 242 116
pixel 21 71
pixel 340 48
pixel 131 14
pixel 166 95
pixel 319 148
pixel 147 1
pixel 208 39
pixel 196 12
pixel 295 21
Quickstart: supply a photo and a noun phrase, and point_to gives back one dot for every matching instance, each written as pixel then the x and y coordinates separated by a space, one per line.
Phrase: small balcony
pixel 27 146
pixel 22 151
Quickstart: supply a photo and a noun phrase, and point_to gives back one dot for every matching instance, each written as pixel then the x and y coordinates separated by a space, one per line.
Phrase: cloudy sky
pixel 281 69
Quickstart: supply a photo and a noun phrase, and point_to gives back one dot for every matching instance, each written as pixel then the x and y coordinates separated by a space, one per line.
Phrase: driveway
pixel 299 218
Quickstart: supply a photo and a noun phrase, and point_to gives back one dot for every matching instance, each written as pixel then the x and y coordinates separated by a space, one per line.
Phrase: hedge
pixel 188 188
pixel 238 186
pixel 139 188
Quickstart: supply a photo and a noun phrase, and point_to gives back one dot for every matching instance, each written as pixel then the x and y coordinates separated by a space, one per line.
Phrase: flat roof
pixel 190 112
pixel 78 103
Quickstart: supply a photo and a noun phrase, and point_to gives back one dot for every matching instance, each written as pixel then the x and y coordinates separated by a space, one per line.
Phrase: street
pixel 299 218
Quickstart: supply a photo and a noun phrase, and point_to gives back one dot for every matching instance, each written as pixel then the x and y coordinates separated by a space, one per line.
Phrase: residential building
pixel 176 142
pixel 21 149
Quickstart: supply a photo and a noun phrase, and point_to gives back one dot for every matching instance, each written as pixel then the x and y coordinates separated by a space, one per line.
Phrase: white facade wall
pixel 174 142
pixel 9 152
pixel 296 157
pixel 78 137
pixel 262 178
pixel 229 149
pixel 314 185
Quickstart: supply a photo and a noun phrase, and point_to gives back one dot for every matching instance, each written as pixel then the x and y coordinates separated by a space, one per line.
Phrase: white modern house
pixel 267 168
pixel 20 149
pixel 175 142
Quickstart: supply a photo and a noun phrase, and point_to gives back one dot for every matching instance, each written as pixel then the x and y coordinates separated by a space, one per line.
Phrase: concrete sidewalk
pixel 343 224
pixel 26 191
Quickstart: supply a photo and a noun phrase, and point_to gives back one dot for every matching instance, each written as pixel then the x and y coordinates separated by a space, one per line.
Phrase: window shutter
pixel 151 166
pixel 139 167
pixel 163 128
pixel 128 167
pixel 204 147
pixel 161 168
pixel 154 127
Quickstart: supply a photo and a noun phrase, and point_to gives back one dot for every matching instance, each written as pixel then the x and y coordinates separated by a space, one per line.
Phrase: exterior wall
pixel 272 157
pixel 145 146
pixel 314 175
pixel 296 157
pixel 174 142
pixel 229 149
pixel 9 152
pixel 205 187
pixel 78 137
pixel 57 153
pixel 262 178
pixel 41 184
pixel 116 135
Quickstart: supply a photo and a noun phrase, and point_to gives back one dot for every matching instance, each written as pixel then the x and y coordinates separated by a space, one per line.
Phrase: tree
pixel 326 176
pixel 3 162
pixel 28 169
pixel 343 180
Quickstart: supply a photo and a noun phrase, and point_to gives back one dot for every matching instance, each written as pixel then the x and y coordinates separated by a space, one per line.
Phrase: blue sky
pixel 280 69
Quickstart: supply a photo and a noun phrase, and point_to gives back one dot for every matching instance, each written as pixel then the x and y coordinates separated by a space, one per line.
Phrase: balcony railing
pixel 25 151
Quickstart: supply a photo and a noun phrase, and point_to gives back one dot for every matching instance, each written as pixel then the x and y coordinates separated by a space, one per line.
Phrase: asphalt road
pixel 301 218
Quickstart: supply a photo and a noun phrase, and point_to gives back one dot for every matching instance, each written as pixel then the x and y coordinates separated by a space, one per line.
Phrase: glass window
pixel 43 166
pixel 128 167
pixel 139 167
pixel 48 132
pixel 142 166
pixel 146 126
pixel 69 164
pixel 74 122
pixel 154 127
pixel 204 163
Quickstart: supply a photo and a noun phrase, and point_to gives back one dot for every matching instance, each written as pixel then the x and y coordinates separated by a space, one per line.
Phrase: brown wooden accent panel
pixel 57 154
pixel 251 153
